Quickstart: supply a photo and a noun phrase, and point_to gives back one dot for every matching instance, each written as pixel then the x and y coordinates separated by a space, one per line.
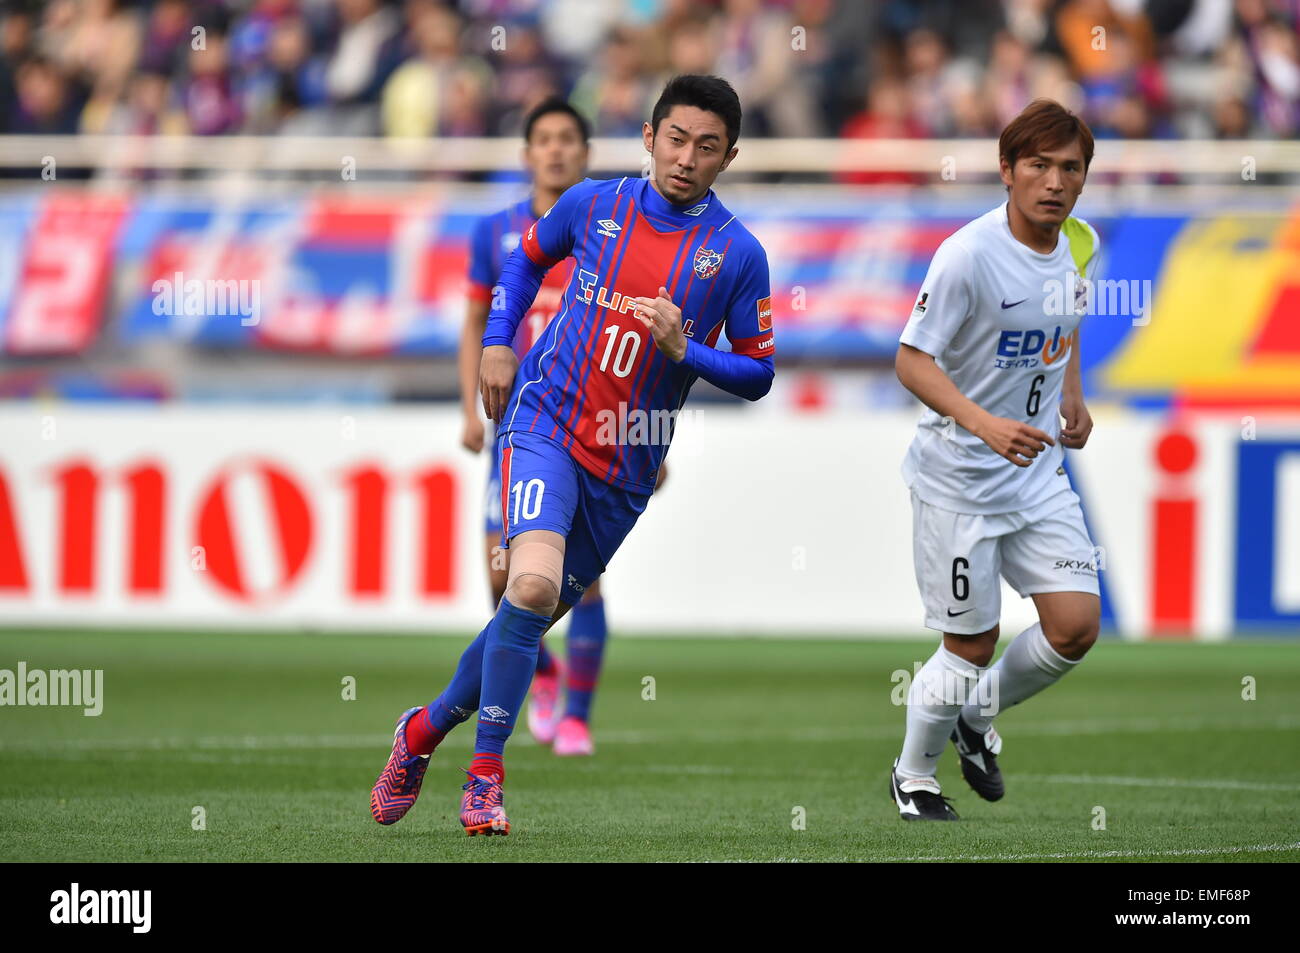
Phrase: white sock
pixel 935 699
pixel 1027 666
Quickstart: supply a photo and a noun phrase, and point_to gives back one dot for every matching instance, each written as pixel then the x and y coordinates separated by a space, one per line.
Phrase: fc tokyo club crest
pixel 707 262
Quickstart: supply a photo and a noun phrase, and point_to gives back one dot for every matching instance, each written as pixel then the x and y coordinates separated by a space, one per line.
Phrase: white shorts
pixel 959 557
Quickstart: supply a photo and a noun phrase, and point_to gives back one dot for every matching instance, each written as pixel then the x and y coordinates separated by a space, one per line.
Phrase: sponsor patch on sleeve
pixel 765 313
pixel 758 346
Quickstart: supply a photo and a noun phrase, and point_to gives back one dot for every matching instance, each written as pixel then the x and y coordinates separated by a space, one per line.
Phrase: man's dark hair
pixel 1044 124
pixel 710 93
pixel 555 104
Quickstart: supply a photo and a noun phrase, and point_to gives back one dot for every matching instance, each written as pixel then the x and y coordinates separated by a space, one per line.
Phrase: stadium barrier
pixel 771 522
pixel 951 159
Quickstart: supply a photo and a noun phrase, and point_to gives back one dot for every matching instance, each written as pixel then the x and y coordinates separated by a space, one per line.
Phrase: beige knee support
pixel 536 570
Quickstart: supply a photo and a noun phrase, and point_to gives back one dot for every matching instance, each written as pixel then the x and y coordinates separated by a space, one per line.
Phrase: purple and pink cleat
pixel 399 784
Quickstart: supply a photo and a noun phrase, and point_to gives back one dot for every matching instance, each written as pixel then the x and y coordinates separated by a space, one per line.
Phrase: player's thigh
pixel 539 496
pixel 498 563
pixel 956 561
pixel 1051 554
pixel 603 521
pixel 539 486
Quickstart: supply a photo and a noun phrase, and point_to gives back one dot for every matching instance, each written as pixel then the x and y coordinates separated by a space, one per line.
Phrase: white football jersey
pixel 1000 320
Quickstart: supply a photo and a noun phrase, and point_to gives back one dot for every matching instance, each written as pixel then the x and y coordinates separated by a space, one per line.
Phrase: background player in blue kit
pixel 661 270
pixel 556 139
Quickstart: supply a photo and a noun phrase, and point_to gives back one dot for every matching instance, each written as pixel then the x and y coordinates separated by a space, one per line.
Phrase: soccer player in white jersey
pixel 992 349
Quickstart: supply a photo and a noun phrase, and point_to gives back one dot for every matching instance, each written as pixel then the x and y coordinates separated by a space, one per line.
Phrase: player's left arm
pixel 747 370
pixel 1078 422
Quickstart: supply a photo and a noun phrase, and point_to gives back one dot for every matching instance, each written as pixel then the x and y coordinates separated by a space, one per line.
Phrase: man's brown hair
pixel 1044 124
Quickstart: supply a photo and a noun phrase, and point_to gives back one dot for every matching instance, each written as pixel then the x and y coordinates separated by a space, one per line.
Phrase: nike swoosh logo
pixel 953 615
pixel 906 807
pixel 1012 304
pixel 934 755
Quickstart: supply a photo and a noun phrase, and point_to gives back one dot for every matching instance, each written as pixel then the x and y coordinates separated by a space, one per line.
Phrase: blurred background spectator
pixel 937 68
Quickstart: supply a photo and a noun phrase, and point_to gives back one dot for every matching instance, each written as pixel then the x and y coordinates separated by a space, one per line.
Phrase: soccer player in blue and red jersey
pixel 555 154
pixel 661 270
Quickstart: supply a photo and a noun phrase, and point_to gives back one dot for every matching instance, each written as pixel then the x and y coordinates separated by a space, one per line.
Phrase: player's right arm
pixel 1012 440
pixel 943 307
pixel 548 242
pixel 469 360
pixel 470 353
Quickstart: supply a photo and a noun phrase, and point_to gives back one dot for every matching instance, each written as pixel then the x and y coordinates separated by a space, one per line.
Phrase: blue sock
pixel 460 698
pixel 587 634
pixel 545 660
pixel 509 661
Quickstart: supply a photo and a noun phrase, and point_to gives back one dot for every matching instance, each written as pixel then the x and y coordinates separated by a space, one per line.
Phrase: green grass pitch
pixel 741 738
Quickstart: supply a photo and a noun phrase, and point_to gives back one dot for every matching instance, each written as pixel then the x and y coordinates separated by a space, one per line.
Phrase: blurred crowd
pixel 929 68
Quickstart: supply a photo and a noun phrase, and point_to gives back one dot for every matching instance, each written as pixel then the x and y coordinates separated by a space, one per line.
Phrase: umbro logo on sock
pixel 496 711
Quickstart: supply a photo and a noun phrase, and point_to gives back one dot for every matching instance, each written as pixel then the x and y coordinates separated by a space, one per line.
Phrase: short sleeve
pixel 1093 262
pixel 943 303
pixel 482 275
pixel 550 239
pixel 749 313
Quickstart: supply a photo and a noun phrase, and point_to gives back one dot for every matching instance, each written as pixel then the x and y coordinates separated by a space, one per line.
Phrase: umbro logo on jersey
pixel 698 210
pixel 608 227
pixel 1012 304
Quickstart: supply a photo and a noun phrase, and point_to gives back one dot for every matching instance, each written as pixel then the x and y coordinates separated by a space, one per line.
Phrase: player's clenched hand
pixel 1013 440
pixel 664 320
pixel 1078 422
pixel 496 378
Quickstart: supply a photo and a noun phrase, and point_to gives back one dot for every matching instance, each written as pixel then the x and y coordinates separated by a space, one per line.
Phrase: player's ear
pixel 727 161
pixel 1004 169
pixel 648 137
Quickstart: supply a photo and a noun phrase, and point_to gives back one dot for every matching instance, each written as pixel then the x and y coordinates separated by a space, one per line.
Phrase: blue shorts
pixel 543 487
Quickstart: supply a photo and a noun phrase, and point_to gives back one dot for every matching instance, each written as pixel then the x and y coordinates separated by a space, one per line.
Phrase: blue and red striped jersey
pixel 495 237
pixel 596 381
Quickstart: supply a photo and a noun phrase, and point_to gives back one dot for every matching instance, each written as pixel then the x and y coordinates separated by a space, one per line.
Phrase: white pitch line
pixel 1093 854
pixel 1208 783
pixel 668 736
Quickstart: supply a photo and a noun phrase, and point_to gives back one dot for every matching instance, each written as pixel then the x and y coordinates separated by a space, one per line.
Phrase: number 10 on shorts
pixel 528 500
